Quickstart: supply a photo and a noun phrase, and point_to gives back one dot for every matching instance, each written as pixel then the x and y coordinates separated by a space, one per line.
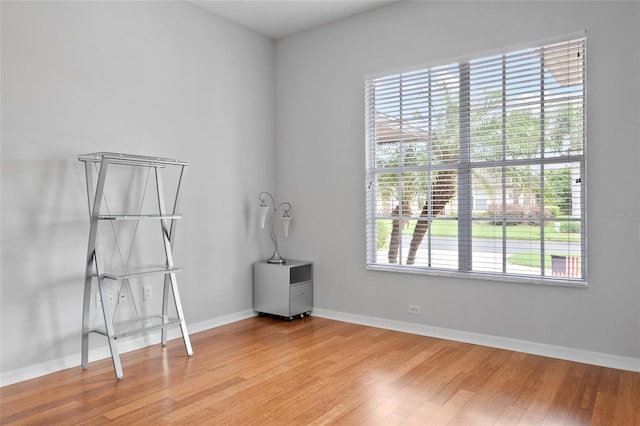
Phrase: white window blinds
pixel 478 167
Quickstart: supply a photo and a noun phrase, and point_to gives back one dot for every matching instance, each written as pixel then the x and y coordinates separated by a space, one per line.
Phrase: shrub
pixel 519 214
pixel 570 227
pixel 383 230
pixel 553 211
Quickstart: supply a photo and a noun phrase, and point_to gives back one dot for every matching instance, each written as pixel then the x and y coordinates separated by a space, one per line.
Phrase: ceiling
pixel 280 18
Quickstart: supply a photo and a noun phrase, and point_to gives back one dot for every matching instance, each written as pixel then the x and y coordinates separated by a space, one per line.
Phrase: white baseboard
pixel 559 352
pixel 71 361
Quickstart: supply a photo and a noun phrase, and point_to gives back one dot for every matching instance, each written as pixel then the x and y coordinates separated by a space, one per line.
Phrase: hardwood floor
pixel 317 371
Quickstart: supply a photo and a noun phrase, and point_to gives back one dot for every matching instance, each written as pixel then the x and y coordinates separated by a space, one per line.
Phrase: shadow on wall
pixel 44 237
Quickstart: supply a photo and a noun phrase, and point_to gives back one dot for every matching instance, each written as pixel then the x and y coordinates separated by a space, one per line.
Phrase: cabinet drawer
pixel 300 298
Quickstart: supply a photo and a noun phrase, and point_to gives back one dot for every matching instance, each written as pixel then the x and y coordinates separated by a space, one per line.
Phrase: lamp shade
pixel 286 221
pixel 262 214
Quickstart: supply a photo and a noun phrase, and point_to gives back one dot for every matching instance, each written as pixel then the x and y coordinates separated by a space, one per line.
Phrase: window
pixel 477 168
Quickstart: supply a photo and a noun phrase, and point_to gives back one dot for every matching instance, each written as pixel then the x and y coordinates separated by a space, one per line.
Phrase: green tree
pixel 557 190
pixel 440 146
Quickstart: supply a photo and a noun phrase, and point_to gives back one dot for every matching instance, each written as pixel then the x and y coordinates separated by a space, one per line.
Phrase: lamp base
pixel 276 260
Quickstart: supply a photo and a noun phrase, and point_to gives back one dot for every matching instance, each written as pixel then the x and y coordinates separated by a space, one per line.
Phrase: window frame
pixel 465 168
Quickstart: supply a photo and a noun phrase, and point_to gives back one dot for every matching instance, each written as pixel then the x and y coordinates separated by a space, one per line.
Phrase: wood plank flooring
pixel 315 371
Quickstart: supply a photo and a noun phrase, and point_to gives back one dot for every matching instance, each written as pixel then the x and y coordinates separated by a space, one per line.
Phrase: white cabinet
pixel 283 290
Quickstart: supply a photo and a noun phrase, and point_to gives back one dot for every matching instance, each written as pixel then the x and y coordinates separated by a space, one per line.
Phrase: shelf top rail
pixel 130 159
pixel 138 217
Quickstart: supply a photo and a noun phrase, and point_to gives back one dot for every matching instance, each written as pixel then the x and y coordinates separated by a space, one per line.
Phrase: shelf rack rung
pixel 139 273
pixel 141 325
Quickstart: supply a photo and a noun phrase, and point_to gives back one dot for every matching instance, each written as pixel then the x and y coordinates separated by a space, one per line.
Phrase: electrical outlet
pixel 415 309
pixel 122 298
pixel 110 298
pixel 147 293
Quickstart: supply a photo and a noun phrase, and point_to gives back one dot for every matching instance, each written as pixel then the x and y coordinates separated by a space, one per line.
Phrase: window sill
pixel 518 279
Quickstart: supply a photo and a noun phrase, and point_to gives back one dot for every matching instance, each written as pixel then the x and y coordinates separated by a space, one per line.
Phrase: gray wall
pixel 321 162
pixel 152 78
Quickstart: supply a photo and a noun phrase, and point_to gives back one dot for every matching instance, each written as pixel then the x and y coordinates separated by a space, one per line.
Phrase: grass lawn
pixel 449 228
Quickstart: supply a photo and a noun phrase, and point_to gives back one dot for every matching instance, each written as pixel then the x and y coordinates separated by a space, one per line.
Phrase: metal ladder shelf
pixel 101 162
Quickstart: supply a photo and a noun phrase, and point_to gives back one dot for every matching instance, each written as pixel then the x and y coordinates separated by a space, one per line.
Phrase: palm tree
pixel 439 186
pixel 442 191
